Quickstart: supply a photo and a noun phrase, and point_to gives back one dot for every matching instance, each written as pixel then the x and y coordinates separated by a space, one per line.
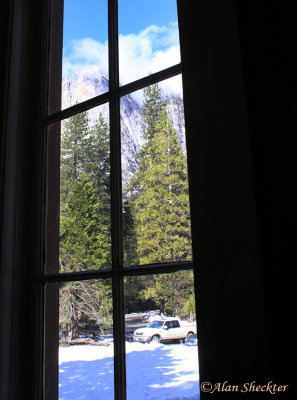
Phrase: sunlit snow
pixel 154 372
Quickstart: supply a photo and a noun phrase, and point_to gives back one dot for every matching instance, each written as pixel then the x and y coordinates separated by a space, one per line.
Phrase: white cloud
pixel 85 52
pixel 145 53
pixel 153 49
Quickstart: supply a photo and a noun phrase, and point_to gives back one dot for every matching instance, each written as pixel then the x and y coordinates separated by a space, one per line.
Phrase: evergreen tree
pixel 76 130
pixel 153 106
pixel 171 292
pixel 159 204
pixel 129 234
pixel 190 308
pixel 97 166
pixel 85 227
pixel 85 231
pixel 96 158
pixel 84 239
pixel 159 190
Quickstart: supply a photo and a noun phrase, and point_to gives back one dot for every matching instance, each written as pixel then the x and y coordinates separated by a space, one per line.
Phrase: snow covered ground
pixel 154 372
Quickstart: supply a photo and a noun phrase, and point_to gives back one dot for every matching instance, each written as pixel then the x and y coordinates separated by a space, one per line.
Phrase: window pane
pixel 85 50
pixel 161 362
pixel 85 222
pixel 86 367
pixel 148 37
pixel 155 184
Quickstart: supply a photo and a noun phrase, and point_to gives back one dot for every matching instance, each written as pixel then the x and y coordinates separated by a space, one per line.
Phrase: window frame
pixel 118 271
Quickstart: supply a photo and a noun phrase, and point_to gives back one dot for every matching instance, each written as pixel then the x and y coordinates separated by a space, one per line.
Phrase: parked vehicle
pixel 191 340
pixel 164 330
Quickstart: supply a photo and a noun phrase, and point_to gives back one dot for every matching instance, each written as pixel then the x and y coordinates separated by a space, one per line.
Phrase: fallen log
pixel 84 341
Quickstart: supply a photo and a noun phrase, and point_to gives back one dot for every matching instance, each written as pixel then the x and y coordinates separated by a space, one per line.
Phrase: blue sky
pixel 88 18
pixel 148 36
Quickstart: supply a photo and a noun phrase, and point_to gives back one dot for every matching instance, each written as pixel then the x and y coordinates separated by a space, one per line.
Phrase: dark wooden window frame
pixel 118 271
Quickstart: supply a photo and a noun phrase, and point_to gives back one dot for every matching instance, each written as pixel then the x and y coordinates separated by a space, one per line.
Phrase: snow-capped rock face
pixel 89 82
pixel 131 130
pixel 86 83
pixel 175 111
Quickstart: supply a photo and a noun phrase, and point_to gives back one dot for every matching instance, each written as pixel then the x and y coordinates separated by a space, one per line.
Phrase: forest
pixel 155 219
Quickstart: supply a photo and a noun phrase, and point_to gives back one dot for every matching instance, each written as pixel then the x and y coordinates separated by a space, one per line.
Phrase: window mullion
pixel 118 91
pixel 116 206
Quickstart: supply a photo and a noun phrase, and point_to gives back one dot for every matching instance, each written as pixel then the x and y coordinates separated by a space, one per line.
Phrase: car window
pixel 156 324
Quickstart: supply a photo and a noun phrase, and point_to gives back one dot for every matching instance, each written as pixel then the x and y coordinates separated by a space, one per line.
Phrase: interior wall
pixel 22 201
pixel 240 106
pixel 268 50
pixel 230 298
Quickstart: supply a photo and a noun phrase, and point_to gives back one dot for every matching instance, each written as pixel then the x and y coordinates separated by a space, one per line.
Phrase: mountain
pixel 89 82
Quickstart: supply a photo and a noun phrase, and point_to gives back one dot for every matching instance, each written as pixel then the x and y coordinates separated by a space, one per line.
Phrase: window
pixel 175 324
pixel 94 267
pixel 232 335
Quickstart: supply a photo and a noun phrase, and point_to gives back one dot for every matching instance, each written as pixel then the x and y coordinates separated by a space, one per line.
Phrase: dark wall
pixel 240 110
pixel 22 202
pixel 4 35
pixel 230 298
pixel 268 48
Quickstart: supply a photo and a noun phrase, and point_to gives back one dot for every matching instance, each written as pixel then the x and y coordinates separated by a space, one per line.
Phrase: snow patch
pixel 154 372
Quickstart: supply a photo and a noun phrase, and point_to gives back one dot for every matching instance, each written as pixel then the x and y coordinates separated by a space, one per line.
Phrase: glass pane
pixel 86 367
pixel 85 50
pixel 148 37
pixel 85 215
pixel 156 216
pixel 161 340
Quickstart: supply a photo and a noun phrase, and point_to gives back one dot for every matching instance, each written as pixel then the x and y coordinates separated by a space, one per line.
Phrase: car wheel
pixel 155 339
pixel 189 334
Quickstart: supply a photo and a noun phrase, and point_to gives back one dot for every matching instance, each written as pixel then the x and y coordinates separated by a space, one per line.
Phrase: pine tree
pixel 85 231
pixel 97 166
pixel 76 130
pixel 159 190
pixel 173 293
pixel 159 204
pixel 96 158
pixel 84 241
pixel 85 227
